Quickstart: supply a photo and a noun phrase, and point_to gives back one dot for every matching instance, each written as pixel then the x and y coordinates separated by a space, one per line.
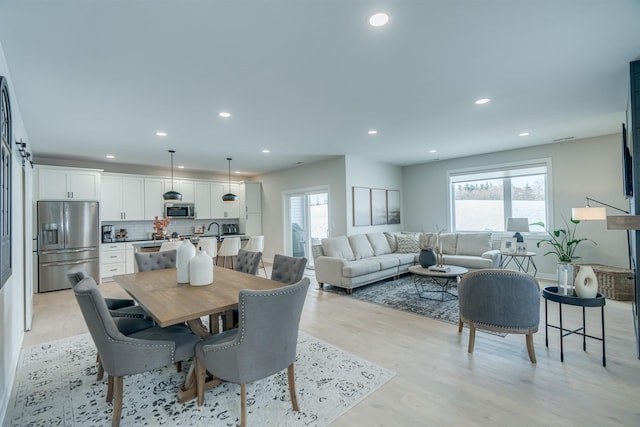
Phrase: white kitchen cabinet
pixel 202 194
pixel 67 183
pixel 153 201
pixel 112 260
pixel 220 209
pixel 122 197
pixel 182 186
pixel 250 199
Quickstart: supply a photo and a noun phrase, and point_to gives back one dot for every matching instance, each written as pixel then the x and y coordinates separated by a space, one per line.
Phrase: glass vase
pixel 565 278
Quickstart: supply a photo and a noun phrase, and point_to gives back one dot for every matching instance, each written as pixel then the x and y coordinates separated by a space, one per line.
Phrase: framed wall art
pixel 378 206
pixel 521 247
pixel 393 207
pixel 508 245
pixel 361 206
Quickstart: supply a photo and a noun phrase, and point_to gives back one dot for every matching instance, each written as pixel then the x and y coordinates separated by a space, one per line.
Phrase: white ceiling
pixel 308 78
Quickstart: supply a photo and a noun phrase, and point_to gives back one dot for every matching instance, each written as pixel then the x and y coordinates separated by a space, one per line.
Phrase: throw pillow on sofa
pixel 407 244
pixel 391 239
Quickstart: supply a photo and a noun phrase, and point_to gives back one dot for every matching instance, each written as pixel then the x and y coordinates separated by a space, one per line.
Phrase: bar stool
pixel 229 248
pixel 209 245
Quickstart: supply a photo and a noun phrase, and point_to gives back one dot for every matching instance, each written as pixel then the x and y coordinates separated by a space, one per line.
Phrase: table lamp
pixel 518 225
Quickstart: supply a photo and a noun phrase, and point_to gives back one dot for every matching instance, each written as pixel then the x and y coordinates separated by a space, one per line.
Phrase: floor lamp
pixel 619 222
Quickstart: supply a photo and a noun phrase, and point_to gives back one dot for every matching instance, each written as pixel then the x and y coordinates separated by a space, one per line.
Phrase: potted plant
pixel 563 244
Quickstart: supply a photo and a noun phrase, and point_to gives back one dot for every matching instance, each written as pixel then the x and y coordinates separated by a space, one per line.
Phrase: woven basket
pixel 614 282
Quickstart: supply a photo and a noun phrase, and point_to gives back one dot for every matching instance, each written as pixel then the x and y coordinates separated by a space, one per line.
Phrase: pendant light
pixel 172 195
pixel 229 197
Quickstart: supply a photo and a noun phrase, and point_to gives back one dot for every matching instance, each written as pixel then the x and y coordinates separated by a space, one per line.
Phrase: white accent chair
pixel 256 244
pixel 229 249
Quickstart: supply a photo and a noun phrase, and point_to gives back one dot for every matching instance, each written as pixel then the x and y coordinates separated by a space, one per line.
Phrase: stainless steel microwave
pixel 179 210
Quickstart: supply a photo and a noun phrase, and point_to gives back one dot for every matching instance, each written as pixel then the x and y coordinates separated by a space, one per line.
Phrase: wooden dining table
pixel 170 303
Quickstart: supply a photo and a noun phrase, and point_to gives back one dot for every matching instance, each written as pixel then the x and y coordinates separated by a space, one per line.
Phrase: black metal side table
pixel 550 293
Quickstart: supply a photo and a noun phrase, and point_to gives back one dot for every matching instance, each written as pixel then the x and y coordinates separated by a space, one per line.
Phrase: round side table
pixel 550 293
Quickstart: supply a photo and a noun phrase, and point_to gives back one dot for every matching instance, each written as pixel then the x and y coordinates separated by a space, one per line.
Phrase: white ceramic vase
pixel 184 253
pixel 201 269
pixel 586 283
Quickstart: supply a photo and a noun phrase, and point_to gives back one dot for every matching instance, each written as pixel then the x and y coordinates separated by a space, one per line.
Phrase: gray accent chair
pixel 500 301
pixel 150 261
pixel 137 352
pixel 118 307
pixel 287 269
pixel 263 344
pixel 248 262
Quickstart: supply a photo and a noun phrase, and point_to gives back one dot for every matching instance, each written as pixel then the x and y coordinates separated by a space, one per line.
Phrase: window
pixel 482 200
pixel 5 183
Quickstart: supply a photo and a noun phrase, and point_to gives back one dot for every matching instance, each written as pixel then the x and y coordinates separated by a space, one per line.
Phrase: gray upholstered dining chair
pixel 134 353
pixel 500 301
pixel 263 344
pixel 118 307
pixel 150 261
pixel 129 318
pixel 287 269
pixel 248 262
pixel 256 244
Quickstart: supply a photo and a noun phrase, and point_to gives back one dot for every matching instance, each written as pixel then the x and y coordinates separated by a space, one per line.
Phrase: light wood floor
pixel 437 382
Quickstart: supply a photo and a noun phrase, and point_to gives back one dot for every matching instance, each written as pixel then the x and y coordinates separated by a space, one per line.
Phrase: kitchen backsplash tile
pixel 143 230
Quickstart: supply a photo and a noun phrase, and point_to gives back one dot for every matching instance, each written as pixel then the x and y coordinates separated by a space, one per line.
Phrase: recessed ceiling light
pixel 266 151
pixel 110 156
pixel 378 19
pixel 433 151
pixel 524 134
pixel 161 133
pixel 224 114
pixel 482 101
pixel 373 132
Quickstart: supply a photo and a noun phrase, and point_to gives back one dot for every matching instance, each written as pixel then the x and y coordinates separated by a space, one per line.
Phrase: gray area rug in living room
pixel 402 295
pixel 56 385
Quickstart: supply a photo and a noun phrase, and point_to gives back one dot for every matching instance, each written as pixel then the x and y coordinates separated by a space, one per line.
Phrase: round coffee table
pixel 422 275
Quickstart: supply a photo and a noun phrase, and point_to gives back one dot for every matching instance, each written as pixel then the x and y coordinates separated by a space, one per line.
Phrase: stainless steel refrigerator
pixel 67 242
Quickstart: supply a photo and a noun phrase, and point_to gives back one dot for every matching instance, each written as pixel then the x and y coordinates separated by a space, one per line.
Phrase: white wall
pixel 339 174
pixel 589 167
pixel 330 173
pixel 366 173
pixel 12 294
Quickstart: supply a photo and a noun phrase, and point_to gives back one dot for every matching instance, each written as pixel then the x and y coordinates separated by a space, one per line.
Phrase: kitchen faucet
pixel 218 230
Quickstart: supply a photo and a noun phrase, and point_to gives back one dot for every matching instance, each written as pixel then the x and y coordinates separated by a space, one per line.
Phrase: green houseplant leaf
pixel 563 241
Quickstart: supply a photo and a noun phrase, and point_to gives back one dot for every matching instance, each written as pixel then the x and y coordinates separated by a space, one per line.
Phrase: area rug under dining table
pixel 56 385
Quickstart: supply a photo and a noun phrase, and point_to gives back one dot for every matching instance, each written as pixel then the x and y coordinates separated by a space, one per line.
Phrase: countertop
pixel 155 243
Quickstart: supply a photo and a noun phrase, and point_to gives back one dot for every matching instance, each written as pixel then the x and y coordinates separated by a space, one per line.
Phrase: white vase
pixel 586 283
pixel 184 253
pixel 201 269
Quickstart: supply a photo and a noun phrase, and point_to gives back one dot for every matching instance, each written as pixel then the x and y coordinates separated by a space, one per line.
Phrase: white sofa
pixel 352 261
